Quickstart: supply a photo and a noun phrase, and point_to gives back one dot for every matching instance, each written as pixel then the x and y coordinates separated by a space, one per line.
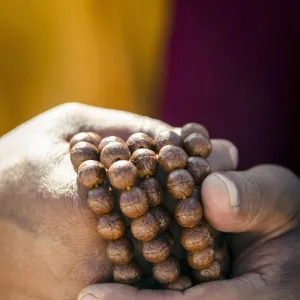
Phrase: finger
pixel 263 199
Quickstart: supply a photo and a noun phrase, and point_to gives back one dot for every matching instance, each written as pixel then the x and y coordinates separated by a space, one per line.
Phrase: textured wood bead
pixel 180 284
pixel 113 152
pixel 81 152
pixel 156 250
pixel 200 259
pixel 167 271
pixel 127 274
pixel 120 251
pixel 212 272
pixel 188 212
pixel 190 128
pixel 111 226
pixel 198 144
pixel 163 218
pixel 196 238
pixel 91 173
pixel 180 183
pixel 89 137
pixel 145 161
pixel 153 190
pixel 101 200
pixel 122 174
pixel 167 138
pixel 145 228
pixel 172 157
pixel 133 203
pixel 108 140
pixel 198 167
pixel 140 140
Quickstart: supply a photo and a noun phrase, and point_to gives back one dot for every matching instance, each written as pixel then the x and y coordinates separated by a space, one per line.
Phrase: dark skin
pixel 50 248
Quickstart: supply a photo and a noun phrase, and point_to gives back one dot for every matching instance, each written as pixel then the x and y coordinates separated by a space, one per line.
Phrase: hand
pixel 49 245
pixel 261 207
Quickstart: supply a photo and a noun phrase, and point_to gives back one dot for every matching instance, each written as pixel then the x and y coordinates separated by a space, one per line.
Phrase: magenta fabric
pixel 233 66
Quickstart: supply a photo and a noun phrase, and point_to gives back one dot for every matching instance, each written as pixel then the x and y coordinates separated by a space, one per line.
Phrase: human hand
pixel 50 248
pixel 261 209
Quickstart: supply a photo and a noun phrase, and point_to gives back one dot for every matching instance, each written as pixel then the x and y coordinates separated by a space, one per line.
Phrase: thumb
pixel 263 199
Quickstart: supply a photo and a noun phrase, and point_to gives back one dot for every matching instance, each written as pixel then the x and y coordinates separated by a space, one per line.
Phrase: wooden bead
pixel 180 183
pixel 190 128
pixel 91 173
pixel 122 174
pixel 188 212
pixel 133 203
pixel 196 238
pixel 212 272
pixel 198 167
pixel 153 190
pixel 113 152
pixel 167 271
pixel 172 157
pixel 167 138
pixel 89 137
pixel 81 152
pixel 145 161
pixel 140 140
pixel 111 226
pixel 127 274
pixel 180 284
pixel 101 200
pixel 108 140
pixel 163 218
pixel 197 144
pixel 200 259
pixel 156 250
pixel 120 251
pixel 145 228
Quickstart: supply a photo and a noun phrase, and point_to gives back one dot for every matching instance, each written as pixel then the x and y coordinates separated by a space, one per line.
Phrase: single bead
pixel 153 190
pixel 212 272
pixel 190 128
pixel 188 212
pixel 180 183
pixel 127 274
pixel 145 228
pixel 156 250
pixel 196 238
pixel 172 157
pixel 81 152
pixel 120 251
pixel 163 218
pixel 140 140
pixel 111 226
pixel 200 259
pixel 167 138
pixel 167 271
pixel 197 144
pixel 122 174
pixel 180 284
pixel 198 167
pixel 91 173
pixel 113 152
pixel 133 203
pixel 145 161
pixel 101 200
pixel 89 137
pixel 110 139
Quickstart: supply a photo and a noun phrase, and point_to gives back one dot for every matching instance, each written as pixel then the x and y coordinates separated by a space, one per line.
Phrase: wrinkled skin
pixel 50 249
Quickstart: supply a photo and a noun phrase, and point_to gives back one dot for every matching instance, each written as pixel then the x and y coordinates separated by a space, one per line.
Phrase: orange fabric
pixel 104 53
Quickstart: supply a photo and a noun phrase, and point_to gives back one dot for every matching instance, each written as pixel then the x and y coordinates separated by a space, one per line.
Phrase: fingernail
pixel 88 297
pixel 231 190
pixel 233 152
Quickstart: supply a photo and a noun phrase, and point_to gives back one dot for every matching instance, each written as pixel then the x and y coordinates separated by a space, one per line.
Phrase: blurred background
pixel 231 65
